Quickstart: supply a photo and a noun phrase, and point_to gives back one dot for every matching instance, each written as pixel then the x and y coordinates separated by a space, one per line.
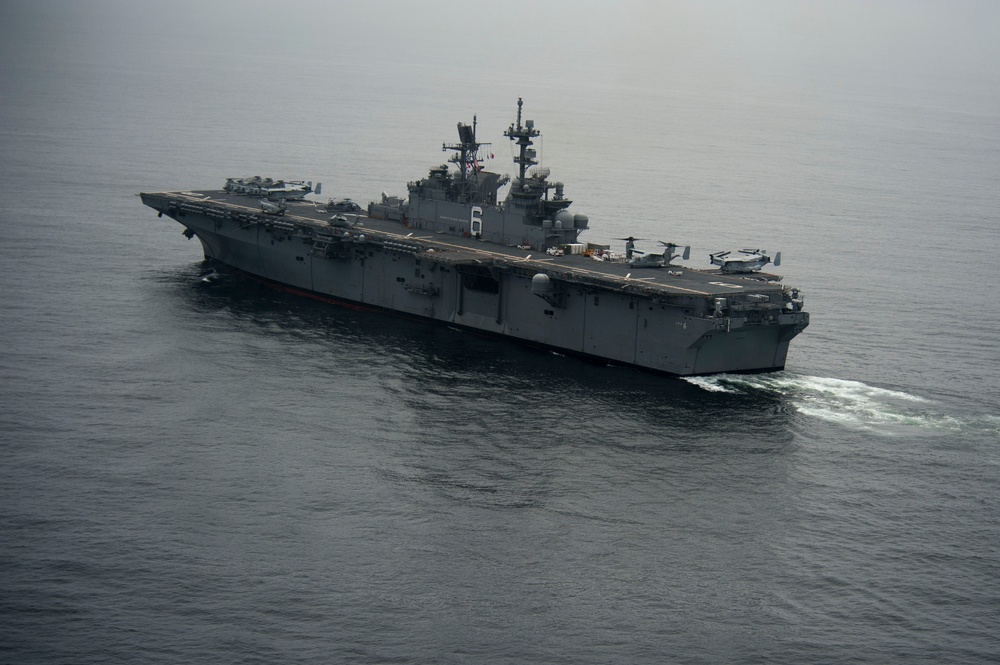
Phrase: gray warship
pixel 454 252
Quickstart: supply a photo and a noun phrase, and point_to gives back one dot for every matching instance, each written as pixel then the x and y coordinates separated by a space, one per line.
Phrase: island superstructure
pixel 454 252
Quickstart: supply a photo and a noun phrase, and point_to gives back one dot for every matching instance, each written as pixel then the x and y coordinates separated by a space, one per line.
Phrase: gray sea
pixel 207 471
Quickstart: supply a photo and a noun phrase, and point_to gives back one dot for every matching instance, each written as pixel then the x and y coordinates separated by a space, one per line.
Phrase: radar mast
pixel 522 135
pixel 467 161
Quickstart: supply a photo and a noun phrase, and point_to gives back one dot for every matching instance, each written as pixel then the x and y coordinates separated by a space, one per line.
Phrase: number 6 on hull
pixel 476 222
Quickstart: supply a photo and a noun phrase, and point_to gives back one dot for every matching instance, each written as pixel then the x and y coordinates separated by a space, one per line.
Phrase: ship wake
pixel 851 404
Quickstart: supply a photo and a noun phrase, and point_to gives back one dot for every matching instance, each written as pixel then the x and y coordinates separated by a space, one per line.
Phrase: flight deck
pixel 310 217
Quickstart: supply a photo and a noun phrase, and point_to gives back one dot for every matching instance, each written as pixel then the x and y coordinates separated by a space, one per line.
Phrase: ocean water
pixel 197 469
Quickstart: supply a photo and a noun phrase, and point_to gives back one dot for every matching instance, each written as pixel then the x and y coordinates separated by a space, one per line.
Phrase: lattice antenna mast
pixel 522 135
pixel 466 159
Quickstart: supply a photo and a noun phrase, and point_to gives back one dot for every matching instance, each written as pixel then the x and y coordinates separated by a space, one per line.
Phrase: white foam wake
pixel 710 383
pixel 851 404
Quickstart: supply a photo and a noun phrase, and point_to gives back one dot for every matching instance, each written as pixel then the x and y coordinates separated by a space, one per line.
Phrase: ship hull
pixel 712 360
pixel 606 325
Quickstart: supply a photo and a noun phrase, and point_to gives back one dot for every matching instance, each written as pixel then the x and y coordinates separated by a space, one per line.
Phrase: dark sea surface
pixel 204 470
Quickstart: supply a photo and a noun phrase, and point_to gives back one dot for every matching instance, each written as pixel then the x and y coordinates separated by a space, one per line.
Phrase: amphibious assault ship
pixel 455 252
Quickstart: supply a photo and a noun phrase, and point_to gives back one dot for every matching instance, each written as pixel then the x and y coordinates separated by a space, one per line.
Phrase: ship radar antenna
pixel 522 135
pixel 466 159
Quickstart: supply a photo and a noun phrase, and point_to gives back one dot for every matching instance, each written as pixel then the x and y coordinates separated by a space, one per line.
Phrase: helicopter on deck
pixel 744 261
pixel 651 260
pixel 273 207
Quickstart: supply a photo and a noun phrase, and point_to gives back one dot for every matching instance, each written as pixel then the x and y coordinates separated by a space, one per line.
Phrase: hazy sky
pixel 916 35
